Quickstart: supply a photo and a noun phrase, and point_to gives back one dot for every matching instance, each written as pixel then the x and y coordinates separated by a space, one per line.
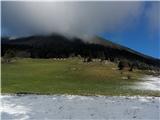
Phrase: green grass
pixel 70 76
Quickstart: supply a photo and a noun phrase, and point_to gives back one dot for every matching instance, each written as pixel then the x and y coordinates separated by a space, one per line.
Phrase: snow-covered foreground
pixel 41 107
pixel 148 83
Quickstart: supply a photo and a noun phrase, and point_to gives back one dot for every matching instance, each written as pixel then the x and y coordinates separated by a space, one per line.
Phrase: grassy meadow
pixel 70 76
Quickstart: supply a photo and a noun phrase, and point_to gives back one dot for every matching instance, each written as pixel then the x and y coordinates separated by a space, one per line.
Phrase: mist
pixel 70 18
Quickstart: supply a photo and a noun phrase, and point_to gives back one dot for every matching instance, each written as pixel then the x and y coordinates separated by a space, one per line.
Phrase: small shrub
pixel 8 56
pixel 123 64
pixel 128 77
pixel 89 59
pixel 120 65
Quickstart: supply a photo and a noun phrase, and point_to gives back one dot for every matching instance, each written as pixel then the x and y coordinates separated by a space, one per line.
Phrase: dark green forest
pixel 58 46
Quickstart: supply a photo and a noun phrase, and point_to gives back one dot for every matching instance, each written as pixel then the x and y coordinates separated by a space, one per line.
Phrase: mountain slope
pixel 107 43
pixel 58 46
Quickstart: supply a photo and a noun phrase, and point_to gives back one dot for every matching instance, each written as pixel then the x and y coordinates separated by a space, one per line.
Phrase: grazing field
pixel 70 76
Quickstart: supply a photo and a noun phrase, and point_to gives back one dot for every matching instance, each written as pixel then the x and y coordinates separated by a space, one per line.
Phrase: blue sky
pixel 132 24
pixel 140 37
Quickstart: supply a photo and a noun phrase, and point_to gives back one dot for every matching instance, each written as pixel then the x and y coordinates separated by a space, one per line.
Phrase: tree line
pixel 57 46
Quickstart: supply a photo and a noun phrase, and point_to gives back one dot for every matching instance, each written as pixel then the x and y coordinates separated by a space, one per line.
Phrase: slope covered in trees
pixel 58 46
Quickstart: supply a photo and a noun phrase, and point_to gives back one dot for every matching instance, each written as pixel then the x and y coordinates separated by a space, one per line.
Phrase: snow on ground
pixel 50 107
pixel 148 83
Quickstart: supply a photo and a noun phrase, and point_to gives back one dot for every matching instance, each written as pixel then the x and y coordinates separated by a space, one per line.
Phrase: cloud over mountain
pixel 75 18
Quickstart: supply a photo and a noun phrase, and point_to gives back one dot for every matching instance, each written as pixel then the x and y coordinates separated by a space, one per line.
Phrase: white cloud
pixel 75 18
pixel 153 16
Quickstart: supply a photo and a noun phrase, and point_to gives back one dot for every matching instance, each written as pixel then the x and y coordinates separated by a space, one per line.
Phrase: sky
pixel 132 24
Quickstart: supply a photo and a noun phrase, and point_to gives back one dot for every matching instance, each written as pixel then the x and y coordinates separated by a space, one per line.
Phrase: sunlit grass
pixel 70 76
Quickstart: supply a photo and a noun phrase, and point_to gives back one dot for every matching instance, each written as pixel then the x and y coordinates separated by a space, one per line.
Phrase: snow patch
pixel 148 83
pixel 73 107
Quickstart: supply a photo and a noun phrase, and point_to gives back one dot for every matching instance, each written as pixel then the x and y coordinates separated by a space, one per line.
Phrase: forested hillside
pixel 58 46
